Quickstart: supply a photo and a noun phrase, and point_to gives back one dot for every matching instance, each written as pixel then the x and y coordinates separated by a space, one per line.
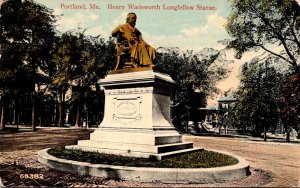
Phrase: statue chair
pixel 124 59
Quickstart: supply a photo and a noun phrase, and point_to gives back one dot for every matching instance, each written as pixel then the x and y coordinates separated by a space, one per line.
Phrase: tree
pixel 9 77
pixel 30 27
pixel 272 26
pixel 94 63
pixel 9 58
pixel 258 97
pixel 40 35
pixel 289 104
pixel 63 59
pixel 80 61
pixel 200 71
pixel 266 25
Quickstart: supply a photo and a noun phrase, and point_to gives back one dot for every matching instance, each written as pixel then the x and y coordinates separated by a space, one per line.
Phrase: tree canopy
pixel 258 96
pixel 79 61
pixel 193 72
pixel 271 25
pixel 27 36
pixel 38 63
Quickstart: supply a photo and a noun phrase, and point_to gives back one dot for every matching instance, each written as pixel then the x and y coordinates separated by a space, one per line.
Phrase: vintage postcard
pixel 149 93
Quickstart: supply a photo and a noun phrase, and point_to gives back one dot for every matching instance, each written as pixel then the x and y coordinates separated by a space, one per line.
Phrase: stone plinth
pixel 137 118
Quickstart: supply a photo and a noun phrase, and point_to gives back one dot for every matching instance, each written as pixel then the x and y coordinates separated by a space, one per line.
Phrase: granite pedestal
pixel 137 119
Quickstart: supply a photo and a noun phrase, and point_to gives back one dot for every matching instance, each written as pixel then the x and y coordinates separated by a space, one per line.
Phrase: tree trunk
pixel 297 70
pixel 87 119
pixel 40 117
pixel 59 124
pixel 60 110
pixel 2 121
pixel 265 134
pixel 288 134
pixel 77 118
pixel 33 128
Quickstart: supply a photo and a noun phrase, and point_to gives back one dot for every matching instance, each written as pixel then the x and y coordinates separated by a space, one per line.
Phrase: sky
pixel 187 29
pixel 163 27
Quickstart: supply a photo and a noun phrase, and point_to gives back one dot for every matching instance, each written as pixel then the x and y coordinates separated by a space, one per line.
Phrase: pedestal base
pixel 137 119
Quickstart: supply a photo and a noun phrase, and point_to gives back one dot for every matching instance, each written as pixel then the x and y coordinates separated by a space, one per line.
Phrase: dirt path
pixel 283 160
pixel 271 164
pixel 28 143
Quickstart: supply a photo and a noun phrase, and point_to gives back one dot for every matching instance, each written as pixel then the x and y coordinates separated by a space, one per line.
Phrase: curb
pixel 144 174
pixel 248 139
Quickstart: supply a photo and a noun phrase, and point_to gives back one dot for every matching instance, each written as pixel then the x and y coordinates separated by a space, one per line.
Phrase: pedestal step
pixel 174 153
pixel 129 153
pixel 135 147
pixel 109 151
pixel 167 139
pixel 174 147
pixel 143 138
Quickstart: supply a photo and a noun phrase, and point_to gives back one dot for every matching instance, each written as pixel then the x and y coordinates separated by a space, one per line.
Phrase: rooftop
pixel 228 97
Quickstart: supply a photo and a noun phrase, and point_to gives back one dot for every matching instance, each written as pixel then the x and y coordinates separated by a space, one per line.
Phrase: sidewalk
pixel 252 139
pixel 28 127
pixel 244 138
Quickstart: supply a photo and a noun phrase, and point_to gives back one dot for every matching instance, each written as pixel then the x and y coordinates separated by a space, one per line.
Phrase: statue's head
pixel 131 18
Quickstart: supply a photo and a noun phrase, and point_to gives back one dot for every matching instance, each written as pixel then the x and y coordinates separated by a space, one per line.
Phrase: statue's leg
pixel 133 55
pixel 151 52
pixel 143 55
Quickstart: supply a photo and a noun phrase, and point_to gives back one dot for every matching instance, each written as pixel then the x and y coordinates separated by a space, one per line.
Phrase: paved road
pixel 26 143
pixel 280 159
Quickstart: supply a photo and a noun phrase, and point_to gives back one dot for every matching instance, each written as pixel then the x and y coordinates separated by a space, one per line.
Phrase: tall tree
pixel 289 104
pixel 266 25
pixel 94 63
pixel 200 71
pixel 31 26
pixel 39 27
pixel 258 97
pixel 9 77
pixel 11 53
pixel 80 61
pixel 64 58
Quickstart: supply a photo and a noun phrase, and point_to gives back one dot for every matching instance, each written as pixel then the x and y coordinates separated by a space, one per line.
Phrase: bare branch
pixel 294 33
pixel 273 53
pixel 279 35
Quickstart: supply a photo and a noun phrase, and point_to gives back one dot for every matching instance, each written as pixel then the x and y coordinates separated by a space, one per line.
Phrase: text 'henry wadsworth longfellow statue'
pixel 133 53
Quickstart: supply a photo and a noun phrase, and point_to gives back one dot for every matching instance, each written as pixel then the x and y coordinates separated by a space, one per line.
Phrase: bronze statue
pixel 132 50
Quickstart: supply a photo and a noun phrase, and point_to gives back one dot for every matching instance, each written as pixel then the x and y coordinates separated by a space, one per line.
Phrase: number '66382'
pixel 32 176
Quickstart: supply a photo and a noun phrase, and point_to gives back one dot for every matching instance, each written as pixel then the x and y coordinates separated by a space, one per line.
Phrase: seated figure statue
pixel 132 50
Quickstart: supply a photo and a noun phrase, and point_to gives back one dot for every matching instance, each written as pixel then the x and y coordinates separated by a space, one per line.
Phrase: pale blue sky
pixel 187 29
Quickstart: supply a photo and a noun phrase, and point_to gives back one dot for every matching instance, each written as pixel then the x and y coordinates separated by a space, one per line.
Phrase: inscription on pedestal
pixel 127 110
pixel 129 91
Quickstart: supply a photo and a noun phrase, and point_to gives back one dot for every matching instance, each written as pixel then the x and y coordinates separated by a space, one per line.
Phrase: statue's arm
pixel 117 30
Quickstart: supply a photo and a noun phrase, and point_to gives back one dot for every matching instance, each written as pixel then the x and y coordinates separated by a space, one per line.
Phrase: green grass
pixel 201 159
